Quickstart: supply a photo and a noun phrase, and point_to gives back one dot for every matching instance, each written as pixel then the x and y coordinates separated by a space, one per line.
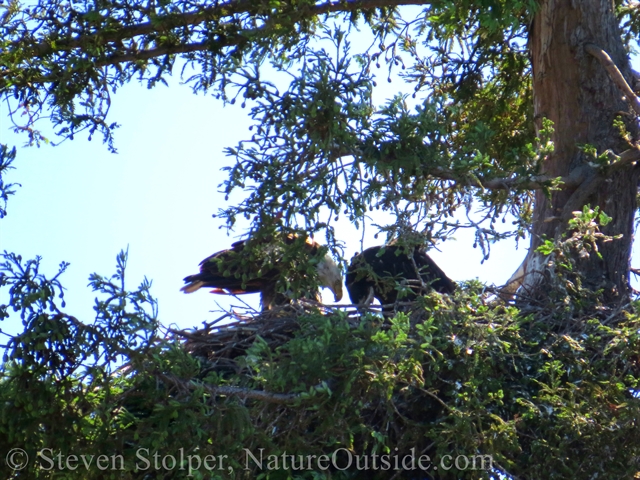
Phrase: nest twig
pixel 220 343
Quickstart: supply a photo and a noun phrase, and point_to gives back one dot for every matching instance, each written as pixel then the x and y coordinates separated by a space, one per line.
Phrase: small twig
pixel 208 325
pixel 231 346
pixel 615 74
pixel 616 312
pixel 435 397
pixel 185 334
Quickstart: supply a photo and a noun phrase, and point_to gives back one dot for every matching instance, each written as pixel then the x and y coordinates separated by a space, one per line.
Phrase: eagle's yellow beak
pixel 337 290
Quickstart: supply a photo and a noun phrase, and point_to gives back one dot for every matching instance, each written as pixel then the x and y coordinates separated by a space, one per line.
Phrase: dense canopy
pixel 318 140
pixel 511 118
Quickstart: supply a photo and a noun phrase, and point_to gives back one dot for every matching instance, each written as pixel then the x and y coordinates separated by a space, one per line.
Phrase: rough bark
pixel 574 90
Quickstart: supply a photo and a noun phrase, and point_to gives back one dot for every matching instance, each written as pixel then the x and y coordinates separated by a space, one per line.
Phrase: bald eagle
pixel 239 270
pixel 380 271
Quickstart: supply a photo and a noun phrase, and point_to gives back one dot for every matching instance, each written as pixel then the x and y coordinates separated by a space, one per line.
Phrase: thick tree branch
pixel 576 179
pixel 508 183
pixel 580 196
pixel 231 391
pixel 615 74
pixel 628 157
pixel 245 393
pixel 154 52
pixel 594 179
pixel 191 19
pixel 535 182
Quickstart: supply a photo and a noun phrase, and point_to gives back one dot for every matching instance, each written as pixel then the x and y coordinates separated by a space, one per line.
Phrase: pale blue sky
pixel 81 204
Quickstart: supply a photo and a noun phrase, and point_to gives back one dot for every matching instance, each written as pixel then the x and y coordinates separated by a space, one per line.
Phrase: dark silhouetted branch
pixel 614 73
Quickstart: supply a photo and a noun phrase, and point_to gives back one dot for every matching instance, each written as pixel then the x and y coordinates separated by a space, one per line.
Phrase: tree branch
pixel 614 73
pixel 575 179
pixel 535 182
pixel 172 21
pixel 628 157
pixel 153 53
pixel 580 196
pixel 594 178
pixel 231 391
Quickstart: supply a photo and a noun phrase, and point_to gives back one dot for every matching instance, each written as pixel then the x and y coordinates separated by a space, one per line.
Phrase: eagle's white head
pixel 329 276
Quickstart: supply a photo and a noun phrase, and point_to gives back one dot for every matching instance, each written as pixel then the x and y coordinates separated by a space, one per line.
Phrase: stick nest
pixel 221 341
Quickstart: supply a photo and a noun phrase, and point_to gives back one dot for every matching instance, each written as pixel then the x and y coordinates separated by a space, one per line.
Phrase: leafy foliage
pixel 532 394
pixel 545 389
pixel 320 147
pixel 58 376
pixel 6 159
pixel 464 138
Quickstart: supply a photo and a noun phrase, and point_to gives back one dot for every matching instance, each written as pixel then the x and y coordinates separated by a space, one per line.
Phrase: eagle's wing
pixel 381 268
pixel 236 271
pixel 220 272
pixel 432 274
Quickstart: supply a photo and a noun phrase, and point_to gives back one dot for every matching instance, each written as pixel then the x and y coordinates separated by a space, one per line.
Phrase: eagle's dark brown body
pixel 379 271
pixel 237 271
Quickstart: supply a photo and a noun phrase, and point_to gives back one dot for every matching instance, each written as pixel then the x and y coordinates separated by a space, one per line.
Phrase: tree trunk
pixel 574 90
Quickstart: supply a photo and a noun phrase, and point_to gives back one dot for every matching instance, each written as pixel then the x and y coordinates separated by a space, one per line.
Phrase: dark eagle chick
pixel 378 271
